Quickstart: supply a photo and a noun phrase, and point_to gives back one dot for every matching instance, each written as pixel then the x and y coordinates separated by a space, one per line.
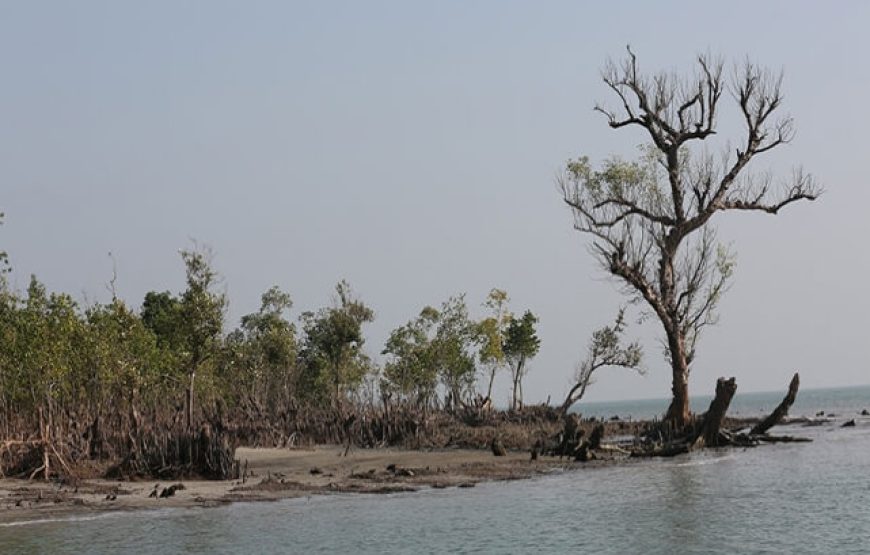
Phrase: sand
pixel 276 474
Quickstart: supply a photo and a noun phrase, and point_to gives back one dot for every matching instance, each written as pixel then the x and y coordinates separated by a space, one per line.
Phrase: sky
pixel 411 148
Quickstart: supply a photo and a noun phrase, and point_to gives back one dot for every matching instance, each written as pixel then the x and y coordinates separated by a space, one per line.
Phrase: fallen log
pixel 607 447
pixel 783 439
pixel 780 411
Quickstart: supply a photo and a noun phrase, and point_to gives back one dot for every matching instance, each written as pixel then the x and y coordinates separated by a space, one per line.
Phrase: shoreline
pixel 275 474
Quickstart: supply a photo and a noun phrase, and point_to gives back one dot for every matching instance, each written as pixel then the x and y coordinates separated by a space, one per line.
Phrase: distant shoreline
pixel 699 396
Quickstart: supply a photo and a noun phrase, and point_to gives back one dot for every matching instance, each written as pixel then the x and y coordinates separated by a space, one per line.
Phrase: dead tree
pixel 781 410
pixel 708 432
pixel 711 423
pixel 649 220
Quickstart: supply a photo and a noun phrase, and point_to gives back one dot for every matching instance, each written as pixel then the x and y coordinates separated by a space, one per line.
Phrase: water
pixel 786 498
pixel 841 401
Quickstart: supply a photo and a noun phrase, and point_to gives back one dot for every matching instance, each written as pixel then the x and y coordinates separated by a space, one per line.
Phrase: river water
pixel 786 498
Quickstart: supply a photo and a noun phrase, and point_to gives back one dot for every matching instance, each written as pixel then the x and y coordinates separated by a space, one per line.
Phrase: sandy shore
pixel 276 474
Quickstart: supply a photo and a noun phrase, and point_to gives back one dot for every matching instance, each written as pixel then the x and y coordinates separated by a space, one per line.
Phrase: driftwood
pixel 780 411
pixel 170 491
pixel 613 449
pixel 783 439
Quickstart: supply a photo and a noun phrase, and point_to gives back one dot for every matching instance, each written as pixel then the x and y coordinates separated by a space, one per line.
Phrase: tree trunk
pixel 491 381
pixel 568 403
pixel 780 411
pixel 708 434
pixel 190 400
pixel 521 391
pixel 518 385
pixel 457 397
pixel 575 394
pixel 678 411
pixel 518 376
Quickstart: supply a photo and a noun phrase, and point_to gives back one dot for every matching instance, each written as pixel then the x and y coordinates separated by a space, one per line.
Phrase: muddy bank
pixel 276 474
pixel 279 473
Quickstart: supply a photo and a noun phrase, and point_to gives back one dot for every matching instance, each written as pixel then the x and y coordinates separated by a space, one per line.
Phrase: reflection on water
pixel 787 498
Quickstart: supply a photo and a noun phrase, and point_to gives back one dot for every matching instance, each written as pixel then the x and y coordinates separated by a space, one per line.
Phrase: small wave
pixel 705 461
pixel 84 518
pixel 71 518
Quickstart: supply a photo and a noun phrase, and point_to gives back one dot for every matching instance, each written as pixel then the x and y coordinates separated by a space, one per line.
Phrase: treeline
pixel 99 371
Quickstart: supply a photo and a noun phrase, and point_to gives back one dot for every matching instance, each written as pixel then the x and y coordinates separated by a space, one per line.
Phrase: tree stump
pixel 708 433
pixel 596 436
pixel 497 447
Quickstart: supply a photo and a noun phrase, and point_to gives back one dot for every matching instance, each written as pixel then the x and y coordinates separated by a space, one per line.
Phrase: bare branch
pixel 643 216
pixel 802 187
pixel 606 348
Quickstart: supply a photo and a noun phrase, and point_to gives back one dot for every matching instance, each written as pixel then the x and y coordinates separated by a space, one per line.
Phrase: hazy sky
pixel 411 148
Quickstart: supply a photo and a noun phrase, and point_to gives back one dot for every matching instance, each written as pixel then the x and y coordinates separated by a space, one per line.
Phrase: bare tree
pixel 605 349
pixel 649 218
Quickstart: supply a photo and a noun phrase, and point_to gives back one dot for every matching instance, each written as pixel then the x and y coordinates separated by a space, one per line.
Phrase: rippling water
pixel 787 498
pixel 840 401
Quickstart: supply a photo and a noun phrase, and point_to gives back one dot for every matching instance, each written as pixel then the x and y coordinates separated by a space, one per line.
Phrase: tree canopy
pixel 649 220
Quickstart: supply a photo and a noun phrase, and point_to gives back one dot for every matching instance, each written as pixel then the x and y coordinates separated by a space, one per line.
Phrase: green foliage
pixel 521 345
pixel 41 333
pixel 271 334
pixel 492 328
pixel 53 354
pixel 521 340
pixel 454 350
pixel 201 310
pixel 491 335
pixel 332 359
pixel 161 313
pixel 4 260
pixel 122 353
pixel 436 348
pixel 261 354
pixel 606 348
pixel 410 371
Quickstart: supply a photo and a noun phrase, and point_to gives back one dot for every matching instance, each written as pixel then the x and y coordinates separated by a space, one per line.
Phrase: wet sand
pixel 276 474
